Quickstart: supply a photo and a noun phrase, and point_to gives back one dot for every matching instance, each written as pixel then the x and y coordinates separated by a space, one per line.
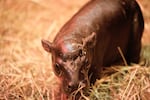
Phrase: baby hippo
pixel 89 41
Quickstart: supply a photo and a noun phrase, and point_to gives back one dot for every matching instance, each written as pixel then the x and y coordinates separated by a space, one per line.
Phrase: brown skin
pixel 89 41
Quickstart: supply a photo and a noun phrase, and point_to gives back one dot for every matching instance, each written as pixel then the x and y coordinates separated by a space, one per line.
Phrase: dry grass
pixel 126 83
pixel 25 68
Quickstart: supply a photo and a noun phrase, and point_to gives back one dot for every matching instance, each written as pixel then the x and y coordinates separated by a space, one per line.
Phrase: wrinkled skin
pixel 89 40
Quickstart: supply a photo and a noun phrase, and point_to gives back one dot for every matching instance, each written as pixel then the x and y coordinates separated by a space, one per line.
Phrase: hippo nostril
pixel 69 86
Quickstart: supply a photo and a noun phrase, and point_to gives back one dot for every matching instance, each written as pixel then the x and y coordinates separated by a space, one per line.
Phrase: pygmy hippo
pixel 89 41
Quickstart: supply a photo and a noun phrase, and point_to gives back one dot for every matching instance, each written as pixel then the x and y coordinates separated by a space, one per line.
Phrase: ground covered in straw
pixel 25 68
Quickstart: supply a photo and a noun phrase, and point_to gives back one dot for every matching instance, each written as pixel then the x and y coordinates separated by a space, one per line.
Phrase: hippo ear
pixel 90 41
pixel 47 45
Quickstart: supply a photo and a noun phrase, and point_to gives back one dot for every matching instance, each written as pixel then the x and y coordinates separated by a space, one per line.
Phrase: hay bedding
pixel 25 72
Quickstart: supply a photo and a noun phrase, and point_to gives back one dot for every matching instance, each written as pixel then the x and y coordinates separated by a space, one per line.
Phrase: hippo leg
pixel 133 54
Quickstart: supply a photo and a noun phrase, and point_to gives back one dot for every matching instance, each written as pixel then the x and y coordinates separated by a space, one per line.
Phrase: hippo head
pixel 71 61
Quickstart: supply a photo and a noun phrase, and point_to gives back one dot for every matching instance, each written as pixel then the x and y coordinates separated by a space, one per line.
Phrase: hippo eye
pixel 57 70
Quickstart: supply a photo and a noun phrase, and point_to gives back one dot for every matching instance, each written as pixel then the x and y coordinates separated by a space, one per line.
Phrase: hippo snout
pixel 72 87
